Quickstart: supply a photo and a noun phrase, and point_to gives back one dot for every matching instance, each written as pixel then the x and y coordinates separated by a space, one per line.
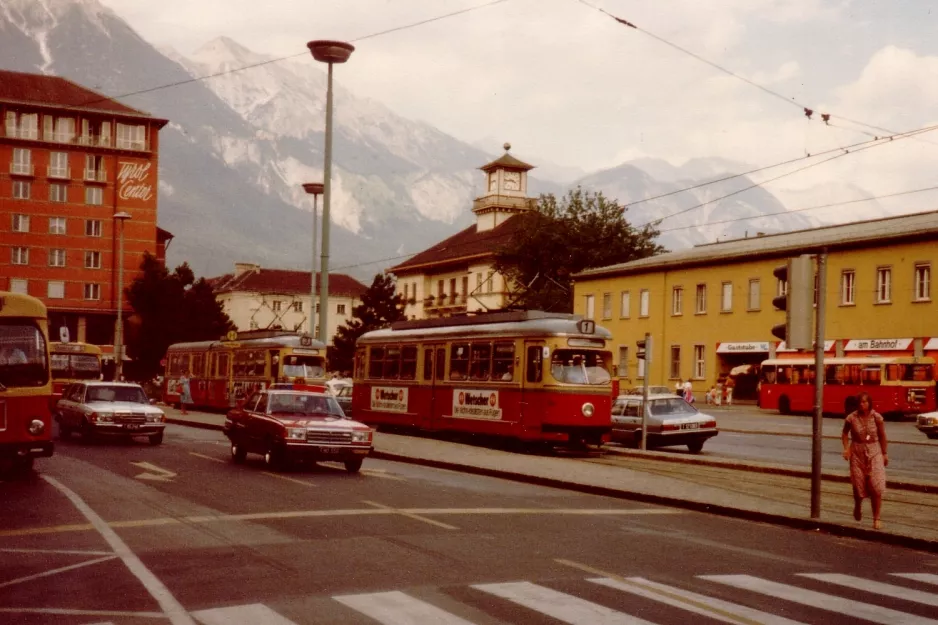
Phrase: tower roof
pixel 506 161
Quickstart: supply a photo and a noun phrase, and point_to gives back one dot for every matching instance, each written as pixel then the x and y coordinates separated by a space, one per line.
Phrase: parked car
pixel 927 422
pixel 108 408
pixel 343 395
pixel 285 425
pixel 652 390
pixel 670 421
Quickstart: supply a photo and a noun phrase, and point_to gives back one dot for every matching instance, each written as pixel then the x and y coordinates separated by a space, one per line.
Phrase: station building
pixel 709 309
pixel 70 160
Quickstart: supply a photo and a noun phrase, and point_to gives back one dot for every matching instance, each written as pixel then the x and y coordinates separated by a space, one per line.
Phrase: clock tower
pixel 506 186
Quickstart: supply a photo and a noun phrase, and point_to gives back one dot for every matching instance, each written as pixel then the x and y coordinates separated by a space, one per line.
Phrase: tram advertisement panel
pixel 389 399
pixel 476 404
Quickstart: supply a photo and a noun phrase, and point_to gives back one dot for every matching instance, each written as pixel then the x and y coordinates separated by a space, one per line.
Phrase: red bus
pixel 531 376
pixel 222 372
pixel 25 383
pixel 898 385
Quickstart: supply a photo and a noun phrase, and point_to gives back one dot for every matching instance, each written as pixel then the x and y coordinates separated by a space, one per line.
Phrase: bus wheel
pixel 238 454
pixel 23 466
pixel 156 439
pixel 784 405
pixel 353 466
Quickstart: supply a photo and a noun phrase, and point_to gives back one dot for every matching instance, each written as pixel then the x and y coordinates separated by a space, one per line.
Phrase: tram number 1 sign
pixel 389 399
pixel 477 404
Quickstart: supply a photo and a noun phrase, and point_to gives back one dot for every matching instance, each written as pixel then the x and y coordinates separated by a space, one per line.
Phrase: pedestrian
pixel 730 385
pixel 185 393
pixel 688 392
pixel 864 440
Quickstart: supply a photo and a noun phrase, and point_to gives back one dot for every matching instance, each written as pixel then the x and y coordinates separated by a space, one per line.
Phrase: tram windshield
pixel 76 366
pixel 309 367
pixel 22 355
pixel 580 366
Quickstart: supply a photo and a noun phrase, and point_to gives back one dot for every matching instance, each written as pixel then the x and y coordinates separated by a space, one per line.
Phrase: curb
pixel 196 424
pixel 809 435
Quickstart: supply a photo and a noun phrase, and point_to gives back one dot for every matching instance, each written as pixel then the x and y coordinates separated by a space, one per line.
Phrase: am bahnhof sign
pixel 877 345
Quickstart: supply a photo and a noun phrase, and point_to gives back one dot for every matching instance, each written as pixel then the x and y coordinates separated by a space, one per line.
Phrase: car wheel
pixel 353 466
pixel 932 435
pixel 784 405
pixel 88 433
pixel 22 466
pixel 156 439
pixel 64 430
pixel 695 447
pixel 238 454
pixel 273 458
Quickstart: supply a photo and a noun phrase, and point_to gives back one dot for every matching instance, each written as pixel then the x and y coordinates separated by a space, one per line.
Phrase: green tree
pixel 381 306
pixel 169 308
pixel 562 237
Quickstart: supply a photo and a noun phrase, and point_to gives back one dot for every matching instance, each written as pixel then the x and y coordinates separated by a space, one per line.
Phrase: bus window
pixel 428 364
pixel 833 374
pixel 534 365
pixel 480 361
pixel 459 361
pixel 22 355
pixel 392 363
pixel 871 376
pixel 503 362
pixel 408 362
pixel 376 362
pixel 768 374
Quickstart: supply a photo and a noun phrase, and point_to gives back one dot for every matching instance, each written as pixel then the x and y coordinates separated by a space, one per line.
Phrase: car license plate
pixel 330 450
pixel 132 426
pixel 690 426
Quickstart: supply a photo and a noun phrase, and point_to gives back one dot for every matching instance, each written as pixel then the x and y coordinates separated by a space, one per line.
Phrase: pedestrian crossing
pixel 792 599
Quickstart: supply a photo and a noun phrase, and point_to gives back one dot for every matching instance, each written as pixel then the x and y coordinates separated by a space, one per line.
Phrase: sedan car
pixel 343 394
pixel 670 421
pixel 286 425
pixel 110 408
pixel 927 422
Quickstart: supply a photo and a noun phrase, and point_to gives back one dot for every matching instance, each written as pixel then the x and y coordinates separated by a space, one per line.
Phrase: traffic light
pixel 798 302
pixel 644 346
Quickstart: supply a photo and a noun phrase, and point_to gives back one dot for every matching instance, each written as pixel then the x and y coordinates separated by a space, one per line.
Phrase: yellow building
pixel 709 308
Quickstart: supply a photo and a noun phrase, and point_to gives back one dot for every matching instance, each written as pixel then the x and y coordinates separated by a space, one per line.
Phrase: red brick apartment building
pixel 71 159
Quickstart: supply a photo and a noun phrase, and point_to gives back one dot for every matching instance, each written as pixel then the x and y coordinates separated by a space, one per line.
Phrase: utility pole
pixel 644 354
pixel 817 438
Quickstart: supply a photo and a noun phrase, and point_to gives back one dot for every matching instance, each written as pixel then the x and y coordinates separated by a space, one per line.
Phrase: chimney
pixel 242 268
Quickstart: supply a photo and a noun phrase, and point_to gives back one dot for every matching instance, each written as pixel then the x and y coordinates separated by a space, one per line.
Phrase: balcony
pixel 21 169
pixel 445 303
pixel 60 172
pixel 504 201
pixel 103 141
pixel 95 176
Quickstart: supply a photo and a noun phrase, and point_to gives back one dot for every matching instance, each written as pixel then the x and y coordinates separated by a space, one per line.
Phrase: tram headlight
pixel 36 427
pixel 588 410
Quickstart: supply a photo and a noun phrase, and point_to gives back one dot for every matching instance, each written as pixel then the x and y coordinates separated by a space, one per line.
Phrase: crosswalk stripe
pixel 692 602
pixel 928 578
pixel 561 606
pixel 397 608
pixel 831 603
pixel 251 614
pixel 879 588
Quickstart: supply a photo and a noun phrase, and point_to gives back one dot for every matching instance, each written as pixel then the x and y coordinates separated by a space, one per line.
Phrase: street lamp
pixel 120 217
pixel 329 52
pixel 315 189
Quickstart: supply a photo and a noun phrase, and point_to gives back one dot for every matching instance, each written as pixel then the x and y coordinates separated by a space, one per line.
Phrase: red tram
pixel 529 375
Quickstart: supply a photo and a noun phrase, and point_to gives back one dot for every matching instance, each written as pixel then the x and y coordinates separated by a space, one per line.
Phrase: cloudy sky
pixel 567 84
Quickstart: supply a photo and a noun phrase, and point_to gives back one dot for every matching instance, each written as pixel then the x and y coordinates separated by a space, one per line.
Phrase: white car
pixel 109 408
pixel 670 421
pixel 927 423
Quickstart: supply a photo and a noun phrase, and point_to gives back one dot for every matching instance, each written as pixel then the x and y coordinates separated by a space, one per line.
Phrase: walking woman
pixel 864 440
pixel 185 392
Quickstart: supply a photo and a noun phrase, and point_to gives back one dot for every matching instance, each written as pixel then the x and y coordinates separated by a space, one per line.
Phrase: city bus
pixel 898 386
pixel 73 362
pixel 536 377
pixel 25 383
pixel 222 372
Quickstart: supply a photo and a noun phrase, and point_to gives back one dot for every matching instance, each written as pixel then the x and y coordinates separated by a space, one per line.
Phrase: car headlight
pixel 296 434
pixel 36 427
pixel 363 436
pixel 103 417
pixel 154 418
pixel 588 410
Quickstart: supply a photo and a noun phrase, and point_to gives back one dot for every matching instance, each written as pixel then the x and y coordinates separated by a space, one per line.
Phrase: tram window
pixel 392 363
pixel 376 362
pixel 408 362
pixel 440 363
pixel 428 364
pixel 503 362
pixel 534 365
pixel 222 365
pixel 459 361
pixel 480 362
pixel 198 365
pixel 359 370
pixel 177 363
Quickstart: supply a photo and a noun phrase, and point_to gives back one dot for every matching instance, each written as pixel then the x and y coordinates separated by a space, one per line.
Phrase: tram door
pixel 434 370
pixel 534 358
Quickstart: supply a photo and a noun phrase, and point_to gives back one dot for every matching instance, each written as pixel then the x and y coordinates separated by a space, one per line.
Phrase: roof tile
pixel 465 244
pixel 54 90
pixel 285 281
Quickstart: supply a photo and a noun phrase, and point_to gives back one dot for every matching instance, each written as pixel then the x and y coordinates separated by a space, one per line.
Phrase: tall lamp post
pixel 120 217
pixel 329 52
pixel 315 189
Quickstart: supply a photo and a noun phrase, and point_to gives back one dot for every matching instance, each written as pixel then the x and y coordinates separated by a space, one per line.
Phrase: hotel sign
pixel 134 181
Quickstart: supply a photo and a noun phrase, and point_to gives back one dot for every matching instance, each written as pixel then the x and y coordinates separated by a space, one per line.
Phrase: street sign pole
pixel 817 439
pixel 645 390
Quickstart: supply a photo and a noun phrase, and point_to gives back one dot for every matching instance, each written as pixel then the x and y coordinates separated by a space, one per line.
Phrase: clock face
pixel 512 180
pixel 493 181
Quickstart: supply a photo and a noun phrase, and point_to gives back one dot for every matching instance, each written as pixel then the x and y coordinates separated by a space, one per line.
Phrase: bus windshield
pixel 309 367
pixel 908 372
pixel 22 355
pixel 75 366
pixel 580 366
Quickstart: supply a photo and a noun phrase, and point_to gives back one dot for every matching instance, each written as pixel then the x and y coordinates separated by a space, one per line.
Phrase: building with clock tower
pixel 457 275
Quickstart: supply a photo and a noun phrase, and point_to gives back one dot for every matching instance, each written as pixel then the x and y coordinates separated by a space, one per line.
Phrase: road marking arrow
pixel 154 473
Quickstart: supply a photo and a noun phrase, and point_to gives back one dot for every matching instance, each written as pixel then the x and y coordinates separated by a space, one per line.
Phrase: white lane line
pixel 559 605
pixel 692 602
pixel 171 607
pixel 204 457
pixel 397 608
pixel 928 578
pixel 878 588
pixel 70 567
pixel 252 614
pixel 831 603
pixel 410 515
pixel 289 479
pixel 65 552
pixel 67 612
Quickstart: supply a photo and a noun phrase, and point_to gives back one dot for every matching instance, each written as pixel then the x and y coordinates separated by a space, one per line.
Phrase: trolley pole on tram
pixel 817 438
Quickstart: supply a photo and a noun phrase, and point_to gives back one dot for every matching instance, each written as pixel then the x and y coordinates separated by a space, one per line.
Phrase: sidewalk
pixel 750 490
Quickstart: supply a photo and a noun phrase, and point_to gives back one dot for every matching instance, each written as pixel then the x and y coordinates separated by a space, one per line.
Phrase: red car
pixel 286 425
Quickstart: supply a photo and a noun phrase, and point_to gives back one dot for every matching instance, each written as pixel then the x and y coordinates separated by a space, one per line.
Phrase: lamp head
pixel 313 188
pixel 122 216
pixel 327 51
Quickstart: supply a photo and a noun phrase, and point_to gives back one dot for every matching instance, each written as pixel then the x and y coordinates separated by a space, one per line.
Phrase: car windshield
pixel 303 404
pixel 22 355
pixel 675 406
pixel 309 367
pixel 580 366
pixel 131 394
pixel 344 391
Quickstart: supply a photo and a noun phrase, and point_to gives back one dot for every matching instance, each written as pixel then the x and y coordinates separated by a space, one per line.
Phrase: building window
pixel 58 192
pixel 22 162
pixel 340 309
pixel 55 289
pixel 131 137
pixel 92 227
pixel 755 294
pixel 922 281
pixel 623 368
pixel 439 290
pixel 641 368
pixel 21 189
pixel 590 306
pixel 675 362
pixel 58 129
pixel 56 258
pixel 700 304
pixel 57 225
pixel 625 304
pixel 18 285
pixel 93 291
pixel 298 307
pixel 19 255
pixel 94 168
pixel 677 300
pixel 848 280
pixel 58 165
pixel 20 223
pixel 404 294
pixel 92 260
pixel 452 290
pixel 490 282
pixel 276 305
pixel 22 125
pixel 95 133
pixel 700 369
pixel 607 305
pixel 317 310
pixel 726 299
pixel 465 289
pixel 94 196
pixel 479 282
pixel 644 301
pixel 883 285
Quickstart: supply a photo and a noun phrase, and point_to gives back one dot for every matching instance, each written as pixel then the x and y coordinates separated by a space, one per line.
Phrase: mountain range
pixel 239 146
